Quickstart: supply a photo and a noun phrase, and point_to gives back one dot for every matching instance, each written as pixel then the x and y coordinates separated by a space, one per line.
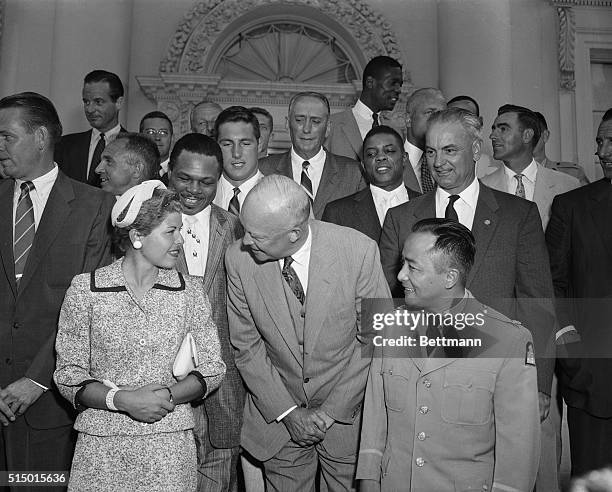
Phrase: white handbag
pixel 186 359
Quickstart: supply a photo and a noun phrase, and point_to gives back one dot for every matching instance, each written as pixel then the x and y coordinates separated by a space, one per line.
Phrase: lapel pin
pixel 487 222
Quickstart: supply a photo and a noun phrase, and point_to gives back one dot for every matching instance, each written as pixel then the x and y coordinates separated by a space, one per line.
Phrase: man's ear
pixel 370 82
pixel 452 278
pixel 119 103
pixel 41 138
pixel 476 149
pixel 528 135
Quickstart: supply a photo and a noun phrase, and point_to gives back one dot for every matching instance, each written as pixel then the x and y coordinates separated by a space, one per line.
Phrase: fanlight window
pixel 286 52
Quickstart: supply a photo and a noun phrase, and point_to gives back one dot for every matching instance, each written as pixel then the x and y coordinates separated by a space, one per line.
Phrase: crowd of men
pixel 292 246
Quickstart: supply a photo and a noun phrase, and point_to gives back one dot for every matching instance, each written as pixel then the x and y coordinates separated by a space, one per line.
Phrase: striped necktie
pixel 520 187
pixel 234 204
pixel 24 229
pixel 305 179
pixel 94 178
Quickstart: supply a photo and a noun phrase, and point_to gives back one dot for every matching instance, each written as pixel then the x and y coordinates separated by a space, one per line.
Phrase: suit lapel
pixel 365 211
pixel 284 165
pixel 216 237
pixel 353 135
pixel 497 179
pixel 484 226
pixel 427 208
pixel 327 184
pixel 6 233
pixel 57 211
pixel 544 190
pixel 268 278
pixel 410 179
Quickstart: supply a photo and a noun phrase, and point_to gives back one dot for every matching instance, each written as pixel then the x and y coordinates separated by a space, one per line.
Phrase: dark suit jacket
pixel 579 239
pixel 341 177
pixel 358 211
pixel 511 271
pixel 72 237
pixel 224 408
pixel 72 154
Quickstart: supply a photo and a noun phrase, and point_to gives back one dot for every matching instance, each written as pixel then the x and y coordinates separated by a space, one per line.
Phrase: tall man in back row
pixel 511 271
pixel 295 292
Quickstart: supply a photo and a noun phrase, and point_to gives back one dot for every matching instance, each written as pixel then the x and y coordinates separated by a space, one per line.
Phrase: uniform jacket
pixel 511 271
pixel 72 237
pixel 72 154
pixel 579 239
pixel 341 177
pixel 548 184
pixel 448 423
pixel 358 212
pixel 331 370
pixel 225 407
pixel 105 332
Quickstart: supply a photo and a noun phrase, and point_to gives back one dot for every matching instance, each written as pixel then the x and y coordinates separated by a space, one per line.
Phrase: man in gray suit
pixel 324 176
pixel 295 291
pixel 381 86
pixel 511 271
pixel 194 170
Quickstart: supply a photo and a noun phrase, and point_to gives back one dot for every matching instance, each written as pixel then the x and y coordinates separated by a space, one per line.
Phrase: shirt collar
pixel 164 166
pixel 469 195
pixel 244 187
pixel 400 192
pixel 109 135
pixel 203 216
pixel 362 110
pixel 316 162
pixel 302 255
pixel 111 277
pixel 43 181
pixel 530 172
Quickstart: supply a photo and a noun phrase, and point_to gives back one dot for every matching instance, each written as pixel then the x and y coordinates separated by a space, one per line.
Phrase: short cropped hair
pixel 470 122
pixel 454 241
pixel 155 114
pixel 235 114
pixel 316 95
pixel 607 115
pixel 526 118
pixel 198 144
pixel 541 121
pixel 377 65
pixel 36 111
pixel 151 214
pixel 140 149
pixel 114 82
pixel 384 130
pixel 263 112
pixel 465 98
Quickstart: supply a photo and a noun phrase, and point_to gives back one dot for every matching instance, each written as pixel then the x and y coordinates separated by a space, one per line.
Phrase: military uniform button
pixel 420 461
pixel 424 409
pixel 421 436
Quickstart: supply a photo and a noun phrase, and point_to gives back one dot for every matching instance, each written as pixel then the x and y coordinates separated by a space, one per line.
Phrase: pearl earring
pixel 137 244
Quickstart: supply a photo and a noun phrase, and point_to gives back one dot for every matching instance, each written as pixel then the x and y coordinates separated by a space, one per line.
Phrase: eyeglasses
pixel 153 131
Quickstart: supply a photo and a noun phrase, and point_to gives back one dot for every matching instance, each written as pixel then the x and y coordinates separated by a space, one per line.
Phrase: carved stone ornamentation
pixel 567 40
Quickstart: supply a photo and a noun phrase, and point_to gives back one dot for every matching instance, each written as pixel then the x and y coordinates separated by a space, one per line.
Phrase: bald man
pixel 203 116
pixel 304 359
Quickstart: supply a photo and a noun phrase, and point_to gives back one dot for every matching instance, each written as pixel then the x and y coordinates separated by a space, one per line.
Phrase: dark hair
pixel 607 115
pixel 526 119
pixel 264 112
pixel 155 114
pixel 384 130
pixel 36 111
pixel 235 114
pixel 152 213
pixel 115 87
pixel 453 240
pixel 465 98
pixel 315 95
pixel 141 150
pixel 541 121
pixel 376 66
pixel 198 144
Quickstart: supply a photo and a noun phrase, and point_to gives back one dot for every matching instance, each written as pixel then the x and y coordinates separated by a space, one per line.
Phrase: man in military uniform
pixel 457 409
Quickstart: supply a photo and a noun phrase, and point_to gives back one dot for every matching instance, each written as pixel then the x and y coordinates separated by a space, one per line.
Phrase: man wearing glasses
pixel 158 128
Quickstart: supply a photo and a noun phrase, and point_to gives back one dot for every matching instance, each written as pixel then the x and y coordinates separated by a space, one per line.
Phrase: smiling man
pixel 381 87
pixel 511 271
pixel 194 172
pixel 324 176
pixel 383 160
pixel 78 154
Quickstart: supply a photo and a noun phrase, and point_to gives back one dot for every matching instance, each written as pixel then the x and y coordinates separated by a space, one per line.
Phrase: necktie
pixel 93 178
pixel 24 229
pixel 375 122
pixel 234 204
pixel 305 179
pixel 293 280
pixel 520 187
pixel 450 212
pixel 427 182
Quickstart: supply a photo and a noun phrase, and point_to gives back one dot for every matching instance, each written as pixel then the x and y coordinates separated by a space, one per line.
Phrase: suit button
pixel 427 383
pixel 420 461
pixel 9 361
pixel 421 436
pixel 304 405
pixel 424 409
pixel 16 325
pixel 307 380
pixel 302 314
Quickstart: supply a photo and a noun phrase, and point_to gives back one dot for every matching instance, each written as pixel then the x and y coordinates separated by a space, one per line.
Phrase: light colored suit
pixel 344 137
pixel 330 369
pixel 548 185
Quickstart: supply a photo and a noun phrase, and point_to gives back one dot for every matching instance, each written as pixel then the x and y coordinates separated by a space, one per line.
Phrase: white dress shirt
pixel 225 190
pixel 195 232
pixel 414 154
pixel 39 196
pixel 109 136
pixel 465 206
pixel 384 200
pixel 315 170
pixel 529 178
pixel 163 167
pixel 363 117
pixel 301 261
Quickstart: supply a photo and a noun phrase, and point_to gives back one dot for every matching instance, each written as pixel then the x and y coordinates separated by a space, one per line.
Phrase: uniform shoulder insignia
pixel 529 355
